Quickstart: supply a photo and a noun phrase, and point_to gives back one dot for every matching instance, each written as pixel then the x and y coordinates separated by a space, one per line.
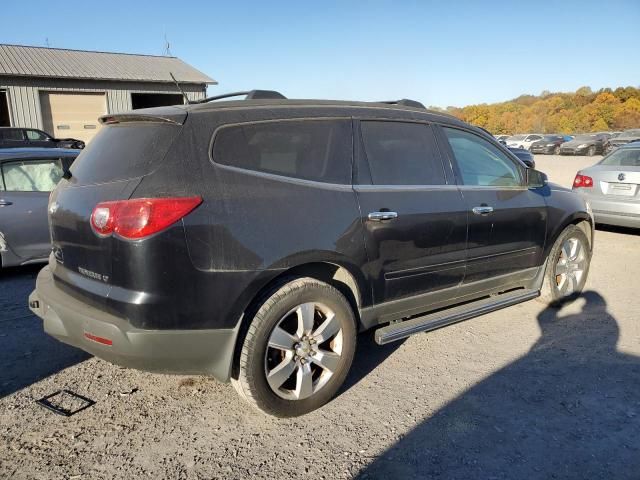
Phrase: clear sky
pixel 444 52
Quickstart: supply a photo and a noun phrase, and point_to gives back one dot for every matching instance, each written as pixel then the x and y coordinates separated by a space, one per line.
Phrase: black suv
pixel 251 240
pixel 14 137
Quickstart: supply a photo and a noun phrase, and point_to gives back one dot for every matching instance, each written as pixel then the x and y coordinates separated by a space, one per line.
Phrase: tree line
pixel 578 112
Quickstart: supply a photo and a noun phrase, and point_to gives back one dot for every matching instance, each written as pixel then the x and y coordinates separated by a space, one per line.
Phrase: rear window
pixel 318 150
pixel 623 157
pixel 124 151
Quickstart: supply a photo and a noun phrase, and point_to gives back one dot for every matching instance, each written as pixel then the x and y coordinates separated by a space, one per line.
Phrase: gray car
pixel 27 176
pixel 612 187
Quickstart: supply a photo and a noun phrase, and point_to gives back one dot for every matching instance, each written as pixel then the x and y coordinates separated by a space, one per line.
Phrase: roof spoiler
pixel 137 117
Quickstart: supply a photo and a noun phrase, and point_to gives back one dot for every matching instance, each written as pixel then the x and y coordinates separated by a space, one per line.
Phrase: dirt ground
pixel 525 392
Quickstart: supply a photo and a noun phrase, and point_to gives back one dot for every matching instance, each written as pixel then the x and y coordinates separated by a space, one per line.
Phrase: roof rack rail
pixel 406 102
pixel 249 95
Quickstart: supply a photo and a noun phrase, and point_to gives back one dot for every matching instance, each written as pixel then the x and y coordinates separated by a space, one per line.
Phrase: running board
pixel 399 330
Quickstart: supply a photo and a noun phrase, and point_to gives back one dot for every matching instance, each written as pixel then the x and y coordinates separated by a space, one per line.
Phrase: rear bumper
pixel 197 352
pixel 623 213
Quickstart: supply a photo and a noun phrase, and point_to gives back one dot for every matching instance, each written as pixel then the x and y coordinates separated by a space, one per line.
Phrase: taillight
pixel 582 181
pixel 140 217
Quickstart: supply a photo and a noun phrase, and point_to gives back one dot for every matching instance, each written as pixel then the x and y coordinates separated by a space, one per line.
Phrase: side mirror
pixel 536 179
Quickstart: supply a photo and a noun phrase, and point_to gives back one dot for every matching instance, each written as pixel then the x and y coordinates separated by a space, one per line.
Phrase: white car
pixel 523 140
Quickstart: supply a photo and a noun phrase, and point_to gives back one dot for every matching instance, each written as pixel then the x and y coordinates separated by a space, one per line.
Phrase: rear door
pixel 26 185
pixel 414 218
pixel 507 221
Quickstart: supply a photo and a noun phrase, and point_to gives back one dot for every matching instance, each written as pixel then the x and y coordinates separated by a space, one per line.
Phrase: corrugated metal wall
pixel 23 94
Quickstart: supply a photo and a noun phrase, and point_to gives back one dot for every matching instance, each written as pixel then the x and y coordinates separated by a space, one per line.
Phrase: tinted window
pixel 123 151
pixel 36 135
pixel 480 162
pixel 32 176
pixel 402 153
pixel 317 150
pixel 11 134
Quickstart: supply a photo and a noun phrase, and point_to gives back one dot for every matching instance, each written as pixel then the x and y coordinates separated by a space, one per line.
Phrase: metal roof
pixel 20 60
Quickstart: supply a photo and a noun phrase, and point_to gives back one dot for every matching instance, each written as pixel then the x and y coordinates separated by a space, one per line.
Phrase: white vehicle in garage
pixel 523 140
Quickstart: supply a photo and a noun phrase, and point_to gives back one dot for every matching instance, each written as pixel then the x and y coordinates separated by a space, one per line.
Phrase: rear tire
pixel 567 267
pixel 556 151
pixel 298 349
pixel 591 151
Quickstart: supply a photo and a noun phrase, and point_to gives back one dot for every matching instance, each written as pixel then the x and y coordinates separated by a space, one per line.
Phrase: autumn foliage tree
pixel 579 112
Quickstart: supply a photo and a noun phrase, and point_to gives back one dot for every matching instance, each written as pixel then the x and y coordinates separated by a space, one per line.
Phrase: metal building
pixel 63 92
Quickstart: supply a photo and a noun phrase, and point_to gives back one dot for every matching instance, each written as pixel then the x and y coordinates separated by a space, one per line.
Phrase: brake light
pixel 140 217
pixel 582 181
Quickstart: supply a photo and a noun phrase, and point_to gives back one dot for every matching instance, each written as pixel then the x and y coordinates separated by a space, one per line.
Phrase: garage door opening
pixel 5 121
pixel 148 100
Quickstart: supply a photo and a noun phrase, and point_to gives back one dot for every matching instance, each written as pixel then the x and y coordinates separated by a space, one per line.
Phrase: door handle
pixel 482 210
pixel 5 203
pixel 380 216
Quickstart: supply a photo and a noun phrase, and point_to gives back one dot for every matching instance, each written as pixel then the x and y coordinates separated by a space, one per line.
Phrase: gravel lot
pixel 526 392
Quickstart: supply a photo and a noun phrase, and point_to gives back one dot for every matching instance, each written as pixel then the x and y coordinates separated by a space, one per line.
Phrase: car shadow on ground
pixel 616 229
pixel 570 408
pixel 368 356
pixel 27 354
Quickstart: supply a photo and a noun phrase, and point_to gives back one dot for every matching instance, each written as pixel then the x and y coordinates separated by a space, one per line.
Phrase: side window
pixel 32 176
pixel 36 135
pixel 11 134
pixel 481 163
pixel 318 150
pixel 402 153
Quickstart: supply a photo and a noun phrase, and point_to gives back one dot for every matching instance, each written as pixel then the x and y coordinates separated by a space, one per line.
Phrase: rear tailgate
pixel 127 149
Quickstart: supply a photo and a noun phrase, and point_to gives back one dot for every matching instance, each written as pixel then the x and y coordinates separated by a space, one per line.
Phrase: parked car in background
pixel 568 138
pixel 622 139
pixel 501 138
pixel 585 144
pixel 250 241
pixel 612 187
pixel 523 140
pixel 549 144
pixel 27 176
pixel 13 137
pixel 524 155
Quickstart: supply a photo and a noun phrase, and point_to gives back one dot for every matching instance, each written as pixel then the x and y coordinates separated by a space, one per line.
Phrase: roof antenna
pixel 167 50
pixel 184 95
pixel 46 40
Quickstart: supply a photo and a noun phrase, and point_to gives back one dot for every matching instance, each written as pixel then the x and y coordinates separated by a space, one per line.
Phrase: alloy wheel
pixel 304 351
pixel 570 267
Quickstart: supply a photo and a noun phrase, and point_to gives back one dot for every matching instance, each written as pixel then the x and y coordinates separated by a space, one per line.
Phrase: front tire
pixel 567 267
pixel 298 348
pixel 556 150
pixel 591 151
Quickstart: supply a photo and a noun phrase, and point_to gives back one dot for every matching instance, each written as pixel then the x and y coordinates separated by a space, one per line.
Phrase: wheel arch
pixel 343 276
pixel 581 219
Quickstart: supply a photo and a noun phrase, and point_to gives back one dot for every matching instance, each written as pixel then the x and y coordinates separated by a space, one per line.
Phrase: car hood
pixel 575 143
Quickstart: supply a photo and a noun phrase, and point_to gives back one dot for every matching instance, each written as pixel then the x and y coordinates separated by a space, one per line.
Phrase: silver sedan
pixel 612 187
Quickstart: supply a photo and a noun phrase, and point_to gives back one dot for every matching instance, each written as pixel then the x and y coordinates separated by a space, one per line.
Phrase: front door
pixel 414 218
pixel 24 195
pixel 507 221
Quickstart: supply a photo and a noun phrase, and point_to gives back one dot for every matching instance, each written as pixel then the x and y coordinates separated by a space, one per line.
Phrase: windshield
pixel 517 137
pixel 550 138
pixel 624 157
pixel 629 134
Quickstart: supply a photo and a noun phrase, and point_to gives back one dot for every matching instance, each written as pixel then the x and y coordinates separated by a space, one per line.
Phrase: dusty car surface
pixel 27 177
pixel 612 187
pixel 252 240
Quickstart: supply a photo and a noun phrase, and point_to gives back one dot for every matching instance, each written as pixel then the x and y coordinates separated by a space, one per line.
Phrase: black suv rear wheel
pixel 298 349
